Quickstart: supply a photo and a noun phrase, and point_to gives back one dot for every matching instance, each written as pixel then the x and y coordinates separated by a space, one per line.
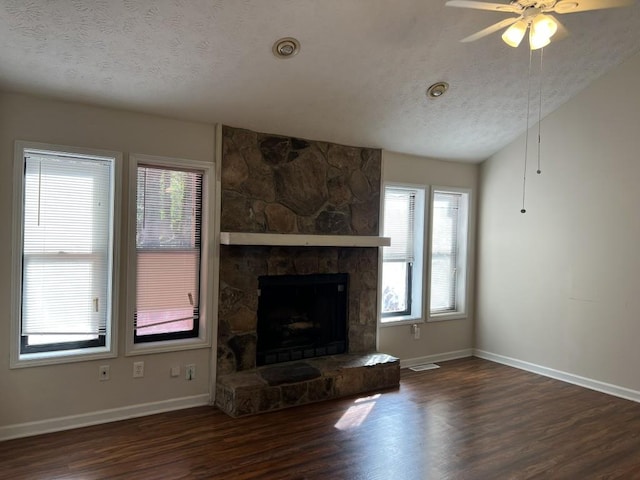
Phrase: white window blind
pixel 398 258
pixel 67 245
pixel 168 232
pixel 399 213
pixel 444 251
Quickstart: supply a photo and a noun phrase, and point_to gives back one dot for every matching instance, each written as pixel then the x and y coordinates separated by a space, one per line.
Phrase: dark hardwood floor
pixel 470 419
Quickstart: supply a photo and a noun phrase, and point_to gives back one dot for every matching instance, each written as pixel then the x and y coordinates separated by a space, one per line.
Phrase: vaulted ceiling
pixel 359 78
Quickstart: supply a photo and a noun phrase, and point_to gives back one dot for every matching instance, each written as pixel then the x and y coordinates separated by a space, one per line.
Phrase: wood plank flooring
pixel 470 419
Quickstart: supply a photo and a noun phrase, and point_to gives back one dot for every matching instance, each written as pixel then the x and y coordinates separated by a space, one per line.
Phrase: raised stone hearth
pixel 296 383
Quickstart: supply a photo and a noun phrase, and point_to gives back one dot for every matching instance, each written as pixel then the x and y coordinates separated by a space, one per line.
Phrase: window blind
pixel 444 251
pixel 67 236
pixel 399 213
pixel 168 232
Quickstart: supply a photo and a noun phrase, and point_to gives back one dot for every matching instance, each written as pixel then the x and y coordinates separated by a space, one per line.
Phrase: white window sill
pixel 58 357
pixel 443 317
pixel 166 346
pixel 402 320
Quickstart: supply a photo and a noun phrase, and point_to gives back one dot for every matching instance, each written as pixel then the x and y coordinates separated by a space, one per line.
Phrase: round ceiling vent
pixel 437 89
pixel 286 47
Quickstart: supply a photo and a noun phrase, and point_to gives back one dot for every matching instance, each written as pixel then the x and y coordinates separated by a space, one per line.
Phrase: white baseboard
pixel 438 357
pixel 597 385
pixel 102 416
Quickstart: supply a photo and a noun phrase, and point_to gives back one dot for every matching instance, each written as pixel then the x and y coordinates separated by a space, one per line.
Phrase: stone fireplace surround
pixel 283 185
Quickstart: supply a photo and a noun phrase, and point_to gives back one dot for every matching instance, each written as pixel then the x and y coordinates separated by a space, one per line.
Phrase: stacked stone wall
pixel 275 184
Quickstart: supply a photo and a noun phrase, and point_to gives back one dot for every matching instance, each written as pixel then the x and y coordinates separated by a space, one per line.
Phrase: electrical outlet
pixel 190 372
pixel 415 328
pixel 103 373
pixel 175 371
pixel 138 369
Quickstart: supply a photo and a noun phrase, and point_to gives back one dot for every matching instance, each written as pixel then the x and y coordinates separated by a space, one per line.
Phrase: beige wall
pixel 51 392
pixel 560 286
pixel 449 335
pixel 38 393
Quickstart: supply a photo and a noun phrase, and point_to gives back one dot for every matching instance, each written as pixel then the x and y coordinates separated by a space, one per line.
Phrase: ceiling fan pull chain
pixel 540 111
pixel 526 137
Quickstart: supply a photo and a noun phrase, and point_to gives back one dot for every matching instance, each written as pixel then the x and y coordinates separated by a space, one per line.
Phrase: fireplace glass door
pixel 301 316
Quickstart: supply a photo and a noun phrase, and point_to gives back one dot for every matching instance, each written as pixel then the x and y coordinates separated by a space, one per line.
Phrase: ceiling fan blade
pixel 489 30
pixel 494 7
pixel 574 6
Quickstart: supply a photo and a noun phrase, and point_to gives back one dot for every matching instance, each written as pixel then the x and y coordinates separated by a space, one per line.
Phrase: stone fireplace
pixel 289 186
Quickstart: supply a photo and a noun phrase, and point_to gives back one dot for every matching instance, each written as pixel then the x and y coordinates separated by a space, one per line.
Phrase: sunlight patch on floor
pixel 357 414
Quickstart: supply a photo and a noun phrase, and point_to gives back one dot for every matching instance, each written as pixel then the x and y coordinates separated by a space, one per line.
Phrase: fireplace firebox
pixel 301 316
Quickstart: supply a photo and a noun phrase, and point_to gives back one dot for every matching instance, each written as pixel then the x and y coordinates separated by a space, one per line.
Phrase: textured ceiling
pixel 359 79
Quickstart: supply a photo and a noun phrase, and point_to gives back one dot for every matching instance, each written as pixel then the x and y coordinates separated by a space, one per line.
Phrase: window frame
pixel 83 353
pixel 419 266
pixel 463 255
pixel 206 257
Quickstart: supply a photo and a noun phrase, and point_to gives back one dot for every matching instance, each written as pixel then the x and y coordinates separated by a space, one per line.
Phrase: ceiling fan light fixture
pixel 544 25
pixel 513 35
pixel 537 40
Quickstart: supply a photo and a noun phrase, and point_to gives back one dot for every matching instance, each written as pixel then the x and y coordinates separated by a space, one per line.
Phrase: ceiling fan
pixel 532 15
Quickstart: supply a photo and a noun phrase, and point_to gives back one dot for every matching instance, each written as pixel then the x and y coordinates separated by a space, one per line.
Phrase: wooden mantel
pixel 302 240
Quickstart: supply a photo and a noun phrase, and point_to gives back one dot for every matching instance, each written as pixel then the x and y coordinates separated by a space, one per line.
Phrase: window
pixel 64 264
pixel 402 265
pixel 169 262
pixel 449 238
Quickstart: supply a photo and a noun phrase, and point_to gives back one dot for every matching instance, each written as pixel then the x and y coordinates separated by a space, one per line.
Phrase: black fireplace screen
pixel 301 316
